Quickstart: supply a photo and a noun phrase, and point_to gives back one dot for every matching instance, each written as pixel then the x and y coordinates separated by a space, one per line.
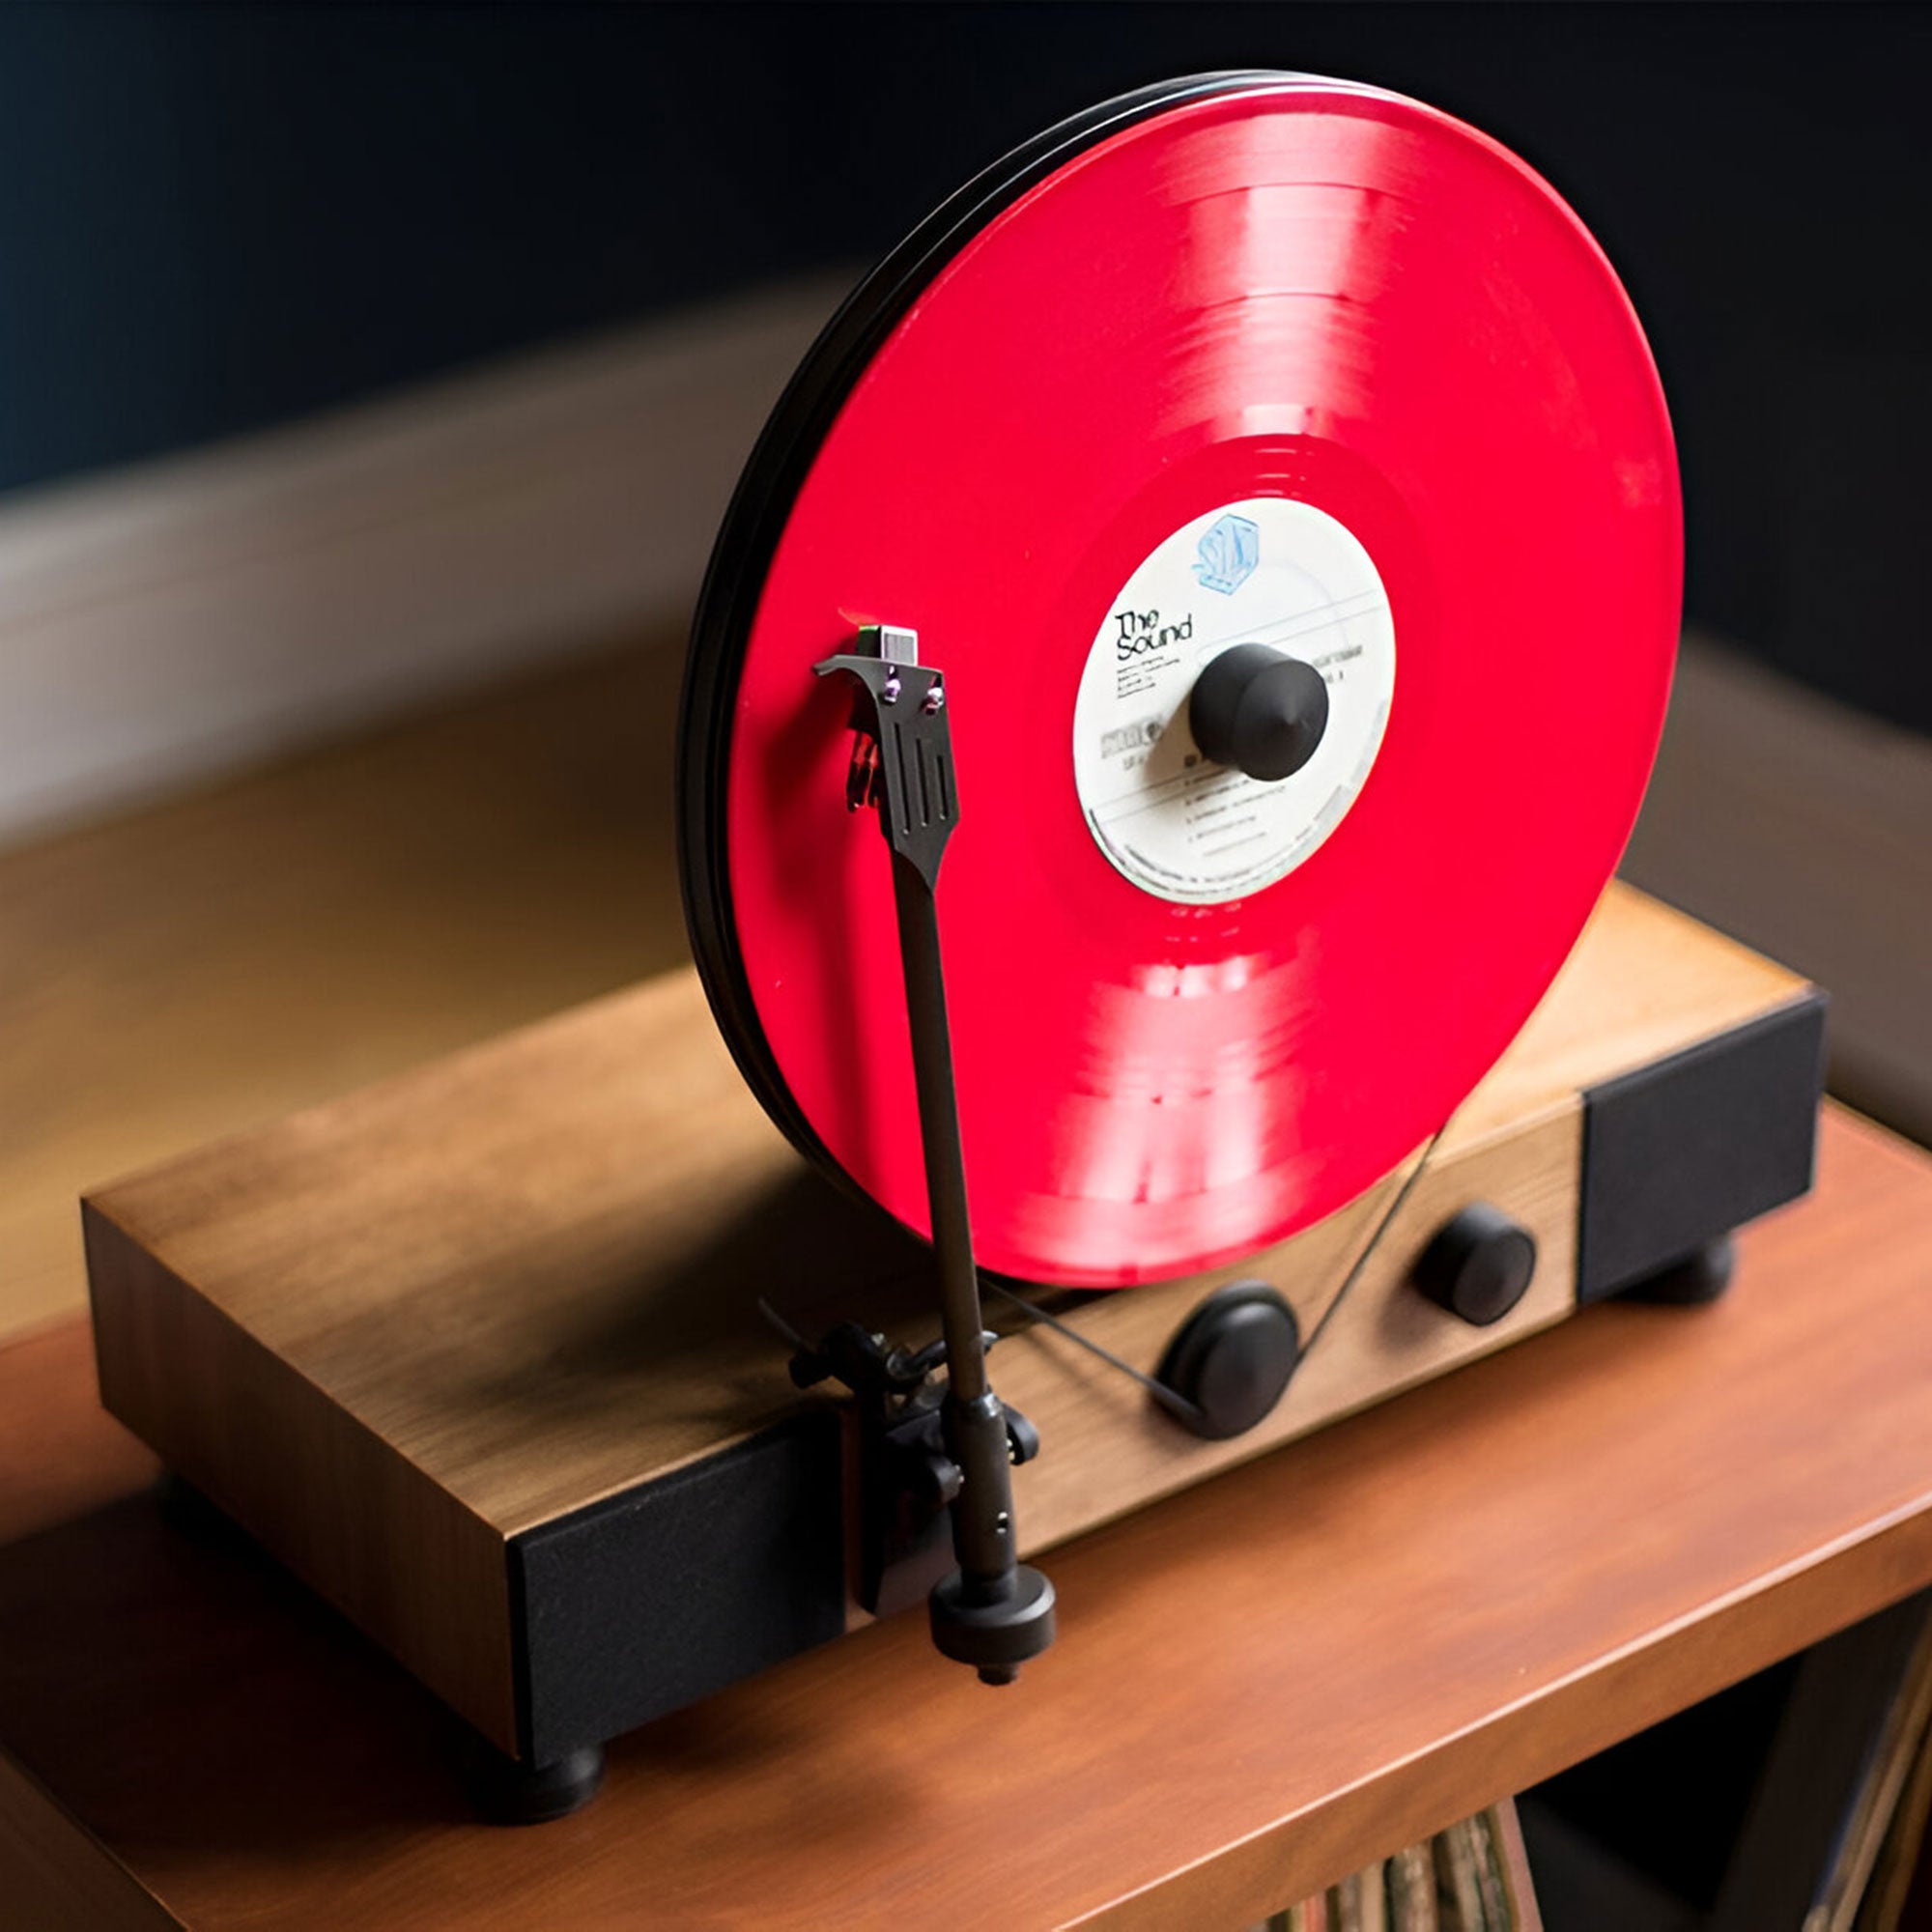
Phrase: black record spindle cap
pixel 1260 711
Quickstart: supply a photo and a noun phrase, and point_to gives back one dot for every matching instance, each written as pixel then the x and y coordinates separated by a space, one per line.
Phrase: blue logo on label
pixel 1229 553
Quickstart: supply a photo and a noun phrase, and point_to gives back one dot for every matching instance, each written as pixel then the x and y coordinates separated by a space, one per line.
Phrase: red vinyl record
pixel 1250 359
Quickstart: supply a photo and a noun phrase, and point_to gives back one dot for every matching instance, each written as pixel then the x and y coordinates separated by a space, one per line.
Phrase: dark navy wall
pixel 215 219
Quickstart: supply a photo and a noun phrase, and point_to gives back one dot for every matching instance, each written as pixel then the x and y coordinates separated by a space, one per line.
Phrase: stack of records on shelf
pixel 1471 1878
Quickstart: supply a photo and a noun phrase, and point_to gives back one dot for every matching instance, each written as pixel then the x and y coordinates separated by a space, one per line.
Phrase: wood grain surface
pixel 1261 1685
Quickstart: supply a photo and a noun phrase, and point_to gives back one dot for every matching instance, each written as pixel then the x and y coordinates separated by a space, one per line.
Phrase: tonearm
pixel 991 1612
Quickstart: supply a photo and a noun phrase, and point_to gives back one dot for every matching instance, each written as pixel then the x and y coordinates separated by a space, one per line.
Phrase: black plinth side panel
pixel 1683 1150
pixel 649 1600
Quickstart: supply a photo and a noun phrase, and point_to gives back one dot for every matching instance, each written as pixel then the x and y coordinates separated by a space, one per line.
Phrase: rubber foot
pixel 508 1791
pixel 1696 1279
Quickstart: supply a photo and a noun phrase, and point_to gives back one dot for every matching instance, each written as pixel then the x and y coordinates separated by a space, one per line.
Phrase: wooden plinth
pixel 1263 1683
pixel 458 1349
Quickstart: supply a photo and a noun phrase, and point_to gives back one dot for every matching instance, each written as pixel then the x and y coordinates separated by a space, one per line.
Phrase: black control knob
pixel 1232 1358
pixel 1479 1266
pixel 1260 711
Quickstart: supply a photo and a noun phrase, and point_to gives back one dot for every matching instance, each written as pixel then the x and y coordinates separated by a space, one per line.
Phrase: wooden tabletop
pixel 1260 1685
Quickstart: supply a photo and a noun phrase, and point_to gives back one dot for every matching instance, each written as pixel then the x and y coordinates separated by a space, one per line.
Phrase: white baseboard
pixel 163 624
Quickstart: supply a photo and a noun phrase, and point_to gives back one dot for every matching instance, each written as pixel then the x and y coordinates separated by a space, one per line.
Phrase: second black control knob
pixel 1232 1358
pixel 1479 1265
pixel 1260 711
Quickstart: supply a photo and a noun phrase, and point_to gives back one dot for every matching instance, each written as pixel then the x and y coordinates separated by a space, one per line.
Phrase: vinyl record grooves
pixel 1244 360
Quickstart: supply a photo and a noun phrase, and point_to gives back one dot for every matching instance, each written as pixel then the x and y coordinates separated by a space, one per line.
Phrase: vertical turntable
pixel 1231 553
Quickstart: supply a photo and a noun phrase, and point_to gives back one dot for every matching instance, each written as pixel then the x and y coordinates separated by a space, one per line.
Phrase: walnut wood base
pixel 476 1352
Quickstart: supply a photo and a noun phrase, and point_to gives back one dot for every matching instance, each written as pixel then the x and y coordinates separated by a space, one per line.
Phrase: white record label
pixel 1267 571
